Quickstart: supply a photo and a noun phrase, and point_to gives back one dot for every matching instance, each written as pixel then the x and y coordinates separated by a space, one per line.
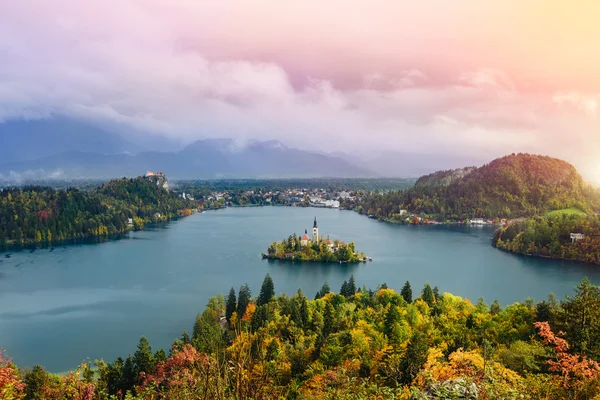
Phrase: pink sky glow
pixel 470 77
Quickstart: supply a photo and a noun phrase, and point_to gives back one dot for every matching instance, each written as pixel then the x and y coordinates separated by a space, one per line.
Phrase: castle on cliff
pixel 158 177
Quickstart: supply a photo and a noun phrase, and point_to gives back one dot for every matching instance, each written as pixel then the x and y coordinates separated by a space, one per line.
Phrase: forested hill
pixel 38 214
pixel 513 186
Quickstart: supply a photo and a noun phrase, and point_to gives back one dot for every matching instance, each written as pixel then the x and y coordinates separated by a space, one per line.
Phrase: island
pixel 315 249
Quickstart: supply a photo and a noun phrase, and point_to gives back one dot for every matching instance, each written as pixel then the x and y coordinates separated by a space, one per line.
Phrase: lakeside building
pixel 576 236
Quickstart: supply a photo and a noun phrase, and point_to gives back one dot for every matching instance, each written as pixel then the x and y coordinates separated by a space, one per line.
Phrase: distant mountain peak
pixel 205 158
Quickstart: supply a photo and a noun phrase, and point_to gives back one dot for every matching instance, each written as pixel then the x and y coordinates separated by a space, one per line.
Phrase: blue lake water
pixel 88 301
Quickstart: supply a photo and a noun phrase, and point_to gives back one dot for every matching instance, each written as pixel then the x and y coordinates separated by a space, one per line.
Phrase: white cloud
pixel 137 67
pixel 586 103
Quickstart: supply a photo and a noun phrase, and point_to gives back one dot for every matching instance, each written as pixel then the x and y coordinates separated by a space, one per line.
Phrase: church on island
pixel 314 248
pixel 306 240
pixel 315 235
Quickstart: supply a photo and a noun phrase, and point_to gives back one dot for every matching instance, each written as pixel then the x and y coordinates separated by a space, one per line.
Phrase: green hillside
pixel 517 185
pixel 36 214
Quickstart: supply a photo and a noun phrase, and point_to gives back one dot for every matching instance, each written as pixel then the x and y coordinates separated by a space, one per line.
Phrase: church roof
pixel 305 237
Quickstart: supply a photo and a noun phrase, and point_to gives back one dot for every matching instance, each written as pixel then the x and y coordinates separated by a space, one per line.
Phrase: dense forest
pixel 291 249
pixel 359 344
pixel 36 214
pixel 549 236
pixel 514 186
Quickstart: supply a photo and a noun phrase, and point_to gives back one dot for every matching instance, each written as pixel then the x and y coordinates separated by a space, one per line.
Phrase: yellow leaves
pixel 249 312
pixel 469 365
pixel 385 293
pixel 434 355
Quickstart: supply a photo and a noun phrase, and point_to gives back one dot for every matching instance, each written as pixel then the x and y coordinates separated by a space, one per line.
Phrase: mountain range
pixel 61 148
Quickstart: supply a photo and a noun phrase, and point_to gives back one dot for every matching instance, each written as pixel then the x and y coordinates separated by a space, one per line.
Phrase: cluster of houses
pixel 473 221
pixel 320 202
pixel 314 197
pixel 488 221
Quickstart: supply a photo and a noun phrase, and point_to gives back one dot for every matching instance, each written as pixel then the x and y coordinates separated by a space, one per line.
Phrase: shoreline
pixel 90 239
pixel 292 260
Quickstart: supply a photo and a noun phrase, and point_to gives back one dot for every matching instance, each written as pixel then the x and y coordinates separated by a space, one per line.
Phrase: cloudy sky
pixel 469 77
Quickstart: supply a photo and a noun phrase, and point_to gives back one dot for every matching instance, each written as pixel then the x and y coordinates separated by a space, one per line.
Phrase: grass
pixel 567 211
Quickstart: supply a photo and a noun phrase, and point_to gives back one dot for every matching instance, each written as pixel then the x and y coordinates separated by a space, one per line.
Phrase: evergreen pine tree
pixel 391 319
pixel 415 358
pixel 581 318
pixel 260 317
pixel 351 286
pixel 36 382
pixel 128 375
pixel 185 338
pixel 325 289
pixel 244 298
pixel 436 293
pixel 160 356
pixel 495 308
pixel 344 289
pixel 303 309
pixel 143 359
pixel 230 305
pixel 406 292
pixel 267 291
pixel 272 350
pixel 328 319
pixel 427 295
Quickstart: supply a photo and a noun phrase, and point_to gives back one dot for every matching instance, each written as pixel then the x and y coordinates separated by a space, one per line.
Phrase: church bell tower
pixel 315 233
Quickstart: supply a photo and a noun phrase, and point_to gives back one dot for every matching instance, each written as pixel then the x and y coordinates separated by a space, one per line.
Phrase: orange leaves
pixel 575 370
pixel 560 345
pixel 186 374
pixel 249 313
pixel 11 385
pixel 338 378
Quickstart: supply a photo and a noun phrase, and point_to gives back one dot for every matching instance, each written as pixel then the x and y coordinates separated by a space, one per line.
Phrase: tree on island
pixel 292 249
pixel 406 292
pixel 267 291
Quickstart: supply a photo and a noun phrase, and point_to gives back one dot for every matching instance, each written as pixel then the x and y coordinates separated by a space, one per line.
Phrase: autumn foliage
pixel 576 371
pixel 365 344
pixel 11 385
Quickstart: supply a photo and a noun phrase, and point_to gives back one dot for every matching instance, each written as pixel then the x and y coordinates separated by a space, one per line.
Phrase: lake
pixel 88 301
